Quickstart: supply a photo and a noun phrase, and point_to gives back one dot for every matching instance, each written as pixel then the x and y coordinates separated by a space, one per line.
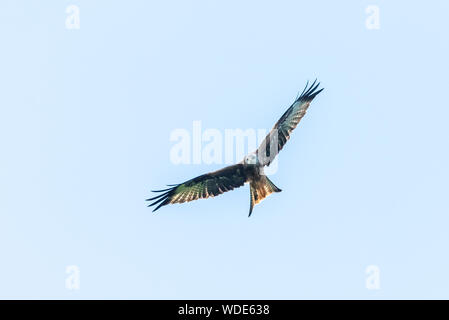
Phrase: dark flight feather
pixel 207 185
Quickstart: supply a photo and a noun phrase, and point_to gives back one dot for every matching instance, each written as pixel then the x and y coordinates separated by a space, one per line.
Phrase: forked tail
pixel 259 190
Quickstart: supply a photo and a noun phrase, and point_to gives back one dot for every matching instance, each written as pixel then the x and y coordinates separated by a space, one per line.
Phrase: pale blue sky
pixel 85 121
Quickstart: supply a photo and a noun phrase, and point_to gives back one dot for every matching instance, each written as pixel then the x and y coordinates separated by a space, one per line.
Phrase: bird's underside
pixel 250 170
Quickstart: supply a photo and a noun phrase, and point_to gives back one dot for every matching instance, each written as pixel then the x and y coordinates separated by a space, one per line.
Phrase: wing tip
pixel 163 203
pixel 310 92
pixel 161 199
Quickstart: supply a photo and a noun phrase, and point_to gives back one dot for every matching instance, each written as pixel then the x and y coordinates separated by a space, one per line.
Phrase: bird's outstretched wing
pixel 204 186
pixel 278 136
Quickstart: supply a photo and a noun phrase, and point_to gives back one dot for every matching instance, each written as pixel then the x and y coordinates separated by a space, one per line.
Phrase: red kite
pixel 250 169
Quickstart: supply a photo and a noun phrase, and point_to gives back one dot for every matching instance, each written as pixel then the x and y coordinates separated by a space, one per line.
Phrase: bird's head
pixel 250 159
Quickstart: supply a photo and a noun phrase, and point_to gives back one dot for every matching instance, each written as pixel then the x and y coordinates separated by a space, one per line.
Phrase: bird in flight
pixel 250 169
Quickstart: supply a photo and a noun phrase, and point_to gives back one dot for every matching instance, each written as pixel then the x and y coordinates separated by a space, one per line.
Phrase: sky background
pixel 85 121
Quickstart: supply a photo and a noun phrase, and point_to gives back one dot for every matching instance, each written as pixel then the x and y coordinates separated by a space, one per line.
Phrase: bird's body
pixel 249 170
